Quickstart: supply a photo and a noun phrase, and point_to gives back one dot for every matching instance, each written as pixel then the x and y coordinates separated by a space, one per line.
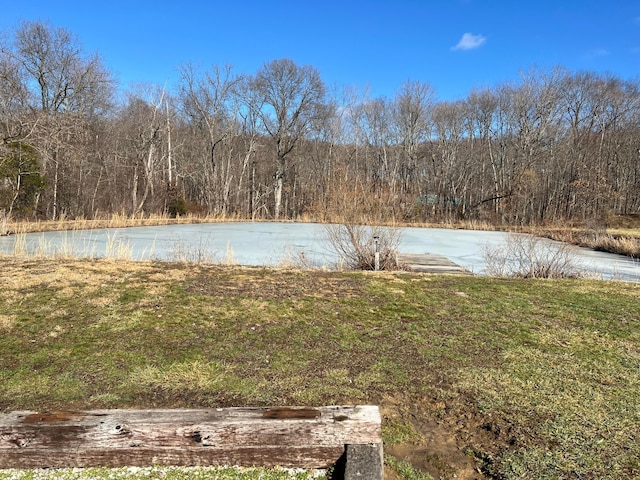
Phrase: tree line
pixel 554 146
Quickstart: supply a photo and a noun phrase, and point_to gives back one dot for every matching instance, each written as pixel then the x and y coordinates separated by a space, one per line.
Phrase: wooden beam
pixel 266 456
pixel 300 437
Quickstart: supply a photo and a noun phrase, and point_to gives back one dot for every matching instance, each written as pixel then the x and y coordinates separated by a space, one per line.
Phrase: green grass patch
pixel 578 392
pixel 395 432
pixel 405 470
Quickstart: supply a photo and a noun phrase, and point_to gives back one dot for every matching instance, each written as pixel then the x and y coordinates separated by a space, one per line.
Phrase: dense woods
pixel 555 146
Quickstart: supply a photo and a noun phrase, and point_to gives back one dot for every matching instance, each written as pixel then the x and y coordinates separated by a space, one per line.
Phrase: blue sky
pixel 454 45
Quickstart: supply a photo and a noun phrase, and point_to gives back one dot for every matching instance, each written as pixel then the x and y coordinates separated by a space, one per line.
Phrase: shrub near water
pixel 527 256
pixel 356 245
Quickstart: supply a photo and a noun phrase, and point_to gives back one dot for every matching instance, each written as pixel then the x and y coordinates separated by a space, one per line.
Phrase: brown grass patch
pixel 278 284
pixel 7 322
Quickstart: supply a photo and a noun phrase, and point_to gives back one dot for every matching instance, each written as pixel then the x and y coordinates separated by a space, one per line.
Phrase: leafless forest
pixel 554 147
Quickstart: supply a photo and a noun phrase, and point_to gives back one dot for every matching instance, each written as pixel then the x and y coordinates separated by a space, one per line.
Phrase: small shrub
pixel 527 256
pixel 355 245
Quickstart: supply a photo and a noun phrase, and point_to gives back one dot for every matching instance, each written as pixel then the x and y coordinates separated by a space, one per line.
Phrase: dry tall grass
pixel 621 244
pixel 115 220
pixel 69 248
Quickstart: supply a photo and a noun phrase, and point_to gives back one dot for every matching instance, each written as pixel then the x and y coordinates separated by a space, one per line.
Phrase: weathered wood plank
pixel 359 412
pixel 121 434
pixel 202 428
pixel 287 436
pixel 267 456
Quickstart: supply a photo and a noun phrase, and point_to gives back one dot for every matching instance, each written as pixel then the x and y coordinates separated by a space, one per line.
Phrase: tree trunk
pixel 55 186
pixel 278 195
pixel 134 190
pixel 252 191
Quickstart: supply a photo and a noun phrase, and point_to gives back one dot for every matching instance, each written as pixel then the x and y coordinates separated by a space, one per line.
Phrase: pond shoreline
pixel 626 243
pixel 278 244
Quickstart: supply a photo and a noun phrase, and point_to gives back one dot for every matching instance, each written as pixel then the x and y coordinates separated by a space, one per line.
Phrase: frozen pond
pixel 272 244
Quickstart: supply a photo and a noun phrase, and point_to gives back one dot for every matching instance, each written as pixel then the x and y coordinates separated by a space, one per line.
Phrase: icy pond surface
pixel 272 244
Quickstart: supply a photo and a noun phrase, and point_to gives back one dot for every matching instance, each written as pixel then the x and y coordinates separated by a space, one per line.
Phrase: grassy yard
pixel 476 377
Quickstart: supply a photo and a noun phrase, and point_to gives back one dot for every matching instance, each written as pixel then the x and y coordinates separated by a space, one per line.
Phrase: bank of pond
pixel 278 244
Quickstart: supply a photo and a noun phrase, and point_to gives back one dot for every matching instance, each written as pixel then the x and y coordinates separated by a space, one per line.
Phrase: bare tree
pixel 412 108
pixel 144 123
pixel 206 100
pixel 449 171
pixel 288 100
pixel 59 90
pixel 552 146
pixel 60 76
pixel 484 115
pixel 13 97
pixel 534 114
pixel 248 118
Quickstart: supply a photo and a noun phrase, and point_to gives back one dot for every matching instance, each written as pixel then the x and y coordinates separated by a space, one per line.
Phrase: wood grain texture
pixel 287 436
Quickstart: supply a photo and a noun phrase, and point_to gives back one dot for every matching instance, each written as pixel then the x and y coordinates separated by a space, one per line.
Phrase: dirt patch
pixel 456 440
pixel 440 456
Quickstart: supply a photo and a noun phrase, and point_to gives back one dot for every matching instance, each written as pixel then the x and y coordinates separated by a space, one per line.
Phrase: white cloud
pixel 469 41
pixel 597 53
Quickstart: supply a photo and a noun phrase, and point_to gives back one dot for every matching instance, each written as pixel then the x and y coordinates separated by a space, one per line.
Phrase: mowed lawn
pixel 528 378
